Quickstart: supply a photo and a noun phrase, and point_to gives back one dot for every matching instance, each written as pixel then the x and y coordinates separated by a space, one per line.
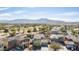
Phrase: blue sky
pixel 69 14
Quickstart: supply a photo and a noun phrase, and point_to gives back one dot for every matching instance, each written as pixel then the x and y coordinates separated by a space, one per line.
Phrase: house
pixel 56 35
pixel 39 36
pixel 22 41
pixel 1 45
pixel 68 38
pixel 1 42
pixel 71 38
pixel 69 42
pixel 76 39
pixel 9 43
pixel 56 32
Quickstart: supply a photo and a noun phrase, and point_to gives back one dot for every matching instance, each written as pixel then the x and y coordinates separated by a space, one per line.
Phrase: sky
pixel 68 14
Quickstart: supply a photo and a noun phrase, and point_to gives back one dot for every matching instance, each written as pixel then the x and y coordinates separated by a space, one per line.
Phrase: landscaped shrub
pixel 55 46
pixel 37 44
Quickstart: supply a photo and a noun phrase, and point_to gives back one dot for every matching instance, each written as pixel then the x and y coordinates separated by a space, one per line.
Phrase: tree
pixel 18 29
pixel 28 31
pixel 6 30
pixel 13 33
pixel 64 30
pixel 34 30
pixel 36 44
pixel 55 46
pixel 30 36
pixel 74 32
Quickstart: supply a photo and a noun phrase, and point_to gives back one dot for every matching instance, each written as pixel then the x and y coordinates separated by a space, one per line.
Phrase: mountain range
pixel 38 21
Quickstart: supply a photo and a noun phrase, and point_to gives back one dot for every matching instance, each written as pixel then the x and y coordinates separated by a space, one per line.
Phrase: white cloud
pixel 3 8
pixel 11 13
pixel 67 16
pixel 18 12
pixel 22 15
pixel 69 13
pixel 5 14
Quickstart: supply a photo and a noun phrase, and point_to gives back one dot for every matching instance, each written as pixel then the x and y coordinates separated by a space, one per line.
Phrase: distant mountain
pixel 38 21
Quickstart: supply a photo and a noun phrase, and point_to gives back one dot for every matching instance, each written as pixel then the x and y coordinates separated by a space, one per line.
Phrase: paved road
pixel 64 48
pixel 26 49
pixel 44 49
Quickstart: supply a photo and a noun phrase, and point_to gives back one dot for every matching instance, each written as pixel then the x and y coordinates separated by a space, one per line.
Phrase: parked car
pixel 71 47
pixel 17 49
pixel 44 43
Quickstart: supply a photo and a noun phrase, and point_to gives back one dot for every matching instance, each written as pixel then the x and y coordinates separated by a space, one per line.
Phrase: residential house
pixel 55 35
pixel 22 41
pixel 39 36
pixel 9 43
pixel 1 45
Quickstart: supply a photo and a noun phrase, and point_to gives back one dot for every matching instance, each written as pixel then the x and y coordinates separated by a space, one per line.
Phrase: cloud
pixel 23 14
pixel 4 8
pixel 69 14
pixel 18 12
pixel 5 14
pixel 12 13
